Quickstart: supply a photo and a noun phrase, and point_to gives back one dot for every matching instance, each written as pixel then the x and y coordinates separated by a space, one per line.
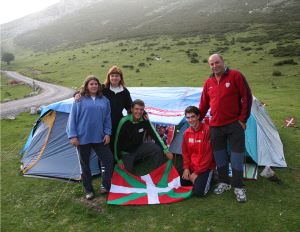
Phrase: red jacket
pixel 229 100
pixel 196 150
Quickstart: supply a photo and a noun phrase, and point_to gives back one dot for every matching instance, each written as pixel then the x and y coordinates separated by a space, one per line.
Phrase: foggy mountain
pixel 78 21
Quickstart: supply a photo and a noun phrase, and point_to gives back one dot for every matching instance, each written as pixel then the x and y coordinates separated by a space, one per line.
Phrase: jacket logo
pixel 141 130
pixel 227 84
pixel 191 140
pixel 198 141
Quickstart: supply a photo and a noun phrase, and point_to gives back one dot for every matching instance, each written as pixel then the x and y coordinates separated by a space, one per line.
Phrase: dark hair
pixel 192 109
pixel 137 102
pixel 84 88
pixel 114 70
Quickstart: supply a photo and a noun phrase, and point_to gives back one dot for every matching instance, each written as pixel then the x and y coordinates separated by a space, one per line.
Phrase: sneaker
pixel 221 188
pixel 240 194
pixel 103 190
pixel 89 196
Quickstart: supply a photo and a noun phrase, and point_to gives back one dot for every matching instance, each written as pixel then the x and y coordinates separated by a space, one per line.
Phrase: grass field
pixel 12 92
pixel 44 205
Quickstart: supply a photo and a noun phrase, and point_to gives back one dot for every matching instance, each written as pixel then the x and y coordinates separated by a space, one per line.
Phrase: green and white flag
pixel 161 186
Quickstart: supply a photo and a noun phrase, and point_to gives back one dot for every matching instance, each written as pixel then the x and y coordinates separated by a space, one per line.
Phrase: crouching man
pixel 130 145
pixel 198 161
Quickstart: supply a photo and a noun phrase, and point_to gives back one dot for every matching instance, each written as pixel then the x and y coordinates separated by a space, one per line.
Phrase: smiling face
pixel 216 64
pixel 137 112
pixel 192 119
pixel 115 79
pixel 93 87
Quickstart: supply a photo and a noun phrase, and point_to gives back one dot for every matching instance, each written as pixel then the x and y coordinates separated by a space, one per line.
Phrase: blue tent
pixel 48 152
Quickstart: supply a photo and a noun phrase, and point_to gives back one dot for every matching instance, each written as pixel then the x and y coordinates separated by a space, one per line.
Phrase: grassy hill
pixel 269 58
pixel 117 19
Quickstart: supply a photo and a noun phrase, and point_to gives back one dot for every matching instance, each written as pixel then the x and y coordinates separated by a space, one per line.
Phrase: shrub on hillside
pixel 130 66
pixel 283 62
pixel 245 48
pixel 276 73
pixel 259 39
pixel 180 43
pixel 290 50
pixel 194 60
pixel 150 44
pixel 163 47
pixel 218 50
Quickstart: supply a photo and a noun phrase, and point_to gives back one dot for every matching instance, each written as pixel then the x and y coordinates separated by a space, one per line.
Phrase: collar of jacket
pixel 224 74
pixel 200 127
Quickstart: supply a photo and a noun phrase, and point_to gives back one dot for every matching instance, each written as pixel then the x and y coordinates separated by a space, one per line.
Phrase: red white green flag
pixel 161 186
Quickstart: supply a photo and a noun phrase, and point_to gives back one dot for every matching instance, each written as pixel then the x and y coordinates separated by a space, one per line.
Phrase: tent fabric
pixel 60 158
pixel 269 145
pixel 165 105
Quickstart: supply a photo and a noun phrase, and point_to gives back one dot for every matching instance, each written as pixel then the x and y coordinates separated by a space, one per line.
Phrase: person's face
pixel 216 64
pixel 137 112
pixel 161 131
pixel 115 79
pixel 92 87
pixel 192 119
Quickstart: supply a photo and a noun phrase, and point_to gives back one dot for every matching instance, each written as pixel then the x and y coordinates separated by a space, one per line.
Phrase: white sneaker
pixel 221 188
pixel 240 194
pixel 103 190
pixel 89 196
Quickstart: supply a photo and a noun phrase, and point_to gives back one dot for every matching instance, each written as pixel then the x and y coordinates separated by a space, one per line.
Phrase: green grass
pixel 12 92
pixel 45 205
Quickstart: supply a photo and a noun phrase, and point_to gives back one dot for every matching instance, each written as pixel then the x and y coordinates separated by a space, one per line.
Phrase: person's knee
pixel 198 193
pixel 157 149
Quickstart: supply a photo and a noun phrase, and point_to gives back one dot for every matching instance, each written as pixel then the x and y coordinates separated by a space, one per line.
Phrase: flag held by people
pixel 161 186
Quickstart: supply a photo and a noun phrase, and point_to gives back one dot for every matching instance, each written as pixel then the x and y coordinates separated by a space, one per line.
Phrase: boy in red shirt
pixel 198 161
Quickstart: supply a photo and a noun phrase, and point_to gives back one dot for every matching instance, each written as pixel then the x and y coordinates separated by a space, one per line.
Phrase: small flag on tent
pixel 161 186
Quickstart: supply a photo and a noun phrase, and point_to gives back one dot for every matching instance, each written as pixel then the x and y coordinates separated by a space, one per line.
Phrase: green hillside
pixel 117 19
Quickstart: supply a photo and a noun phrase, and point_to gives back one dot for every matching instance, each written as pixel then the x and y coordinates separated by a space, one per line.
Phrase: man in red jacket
pixel 227 94
pixel 198 161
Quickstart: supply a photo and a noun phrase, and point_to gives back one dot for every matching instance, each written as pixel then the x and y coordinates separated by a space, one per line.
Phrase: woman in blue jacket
pixel 89 127
pixel 117 94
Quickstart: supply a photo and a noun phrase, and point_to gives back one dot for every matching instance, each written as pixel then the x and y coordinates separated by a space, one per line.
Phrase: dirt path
pixel 49 93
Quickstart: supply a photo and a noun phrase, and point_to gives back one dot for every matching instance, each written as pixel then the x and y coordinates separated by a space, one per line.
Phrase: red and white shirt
pixel 229 100
pixel 196 150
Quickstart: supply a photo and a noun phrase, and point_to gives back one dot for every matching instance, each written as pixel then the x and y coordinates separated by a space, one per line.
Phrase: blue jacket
pixel 89 120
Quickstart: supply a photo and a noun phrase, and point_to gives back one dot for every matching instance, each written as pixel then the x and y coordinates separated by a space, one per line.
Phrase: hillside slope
pixel 115 19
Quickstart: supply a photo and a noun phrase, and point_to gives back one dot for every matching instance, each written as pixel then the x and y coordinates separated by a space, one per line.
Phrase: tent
pixel 48 152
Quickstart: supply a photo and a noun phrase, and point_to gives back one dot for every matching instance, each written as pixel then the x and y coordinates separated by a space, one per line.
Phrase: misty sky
pixel 14 9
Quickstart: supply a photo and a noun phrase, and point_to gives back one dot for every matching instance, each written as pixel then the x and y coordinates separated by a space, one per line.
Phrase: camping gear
pixel 48 152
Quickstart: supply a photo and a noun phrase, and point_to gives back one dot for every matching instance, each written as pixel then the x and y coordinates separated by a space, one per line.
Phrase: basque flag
pixel 161 186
